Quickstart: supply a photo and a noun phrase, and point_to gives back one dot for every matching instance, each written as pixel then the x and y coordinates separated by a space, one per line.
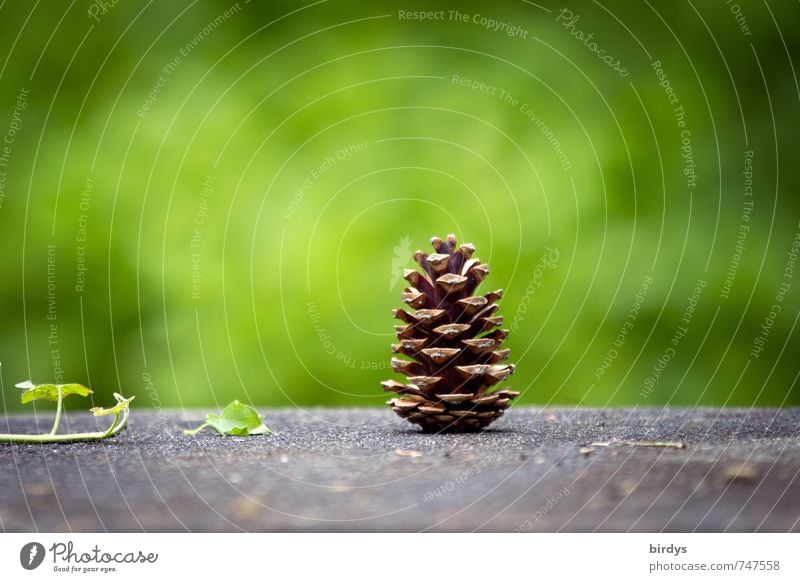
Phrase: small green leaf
pixel 50 391
pixel 236 419
pixel 122 404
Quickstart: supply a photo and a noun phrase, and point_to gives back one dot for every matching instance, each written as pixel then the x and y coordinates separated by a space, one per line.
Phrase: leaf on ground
pixel 50 391
pixel 236 419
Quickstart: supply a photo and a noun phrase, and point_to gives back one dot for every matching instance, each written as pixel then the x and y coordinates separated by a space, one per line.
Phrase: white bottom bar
pixel 388 557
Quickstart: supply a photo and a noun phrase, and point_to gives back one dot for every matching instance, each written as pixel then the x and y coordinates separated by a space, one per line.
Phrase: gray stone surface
pixel 366 470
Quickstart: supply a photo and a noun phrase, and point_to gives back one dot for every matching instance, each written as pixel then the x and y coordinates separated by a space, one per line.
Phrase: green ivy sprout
pixel 237 419
pixel 57 393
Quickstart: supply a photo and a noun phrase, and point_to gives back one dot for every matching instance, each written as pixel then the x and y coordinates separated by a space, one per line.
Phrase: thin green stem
pixel 59 406
pixel 194 431
pixel 116 426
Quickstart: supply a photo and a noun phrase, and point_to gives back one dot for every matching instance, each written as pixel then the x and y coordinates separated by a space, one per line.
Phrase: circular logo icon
pixel 31 555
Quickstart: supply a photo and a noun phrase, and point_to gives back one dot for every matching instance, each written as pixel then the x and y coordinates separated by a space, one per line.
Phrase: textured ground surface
pixel 363 470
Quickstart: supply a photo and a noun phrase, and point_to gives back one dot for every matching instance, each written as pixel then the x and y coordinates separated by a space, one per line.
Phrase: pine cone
pixel 452 339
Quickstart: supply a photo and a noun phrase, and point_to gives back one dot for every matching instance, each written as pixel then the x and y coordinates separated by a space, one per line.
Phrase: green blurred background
pixel 212 200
